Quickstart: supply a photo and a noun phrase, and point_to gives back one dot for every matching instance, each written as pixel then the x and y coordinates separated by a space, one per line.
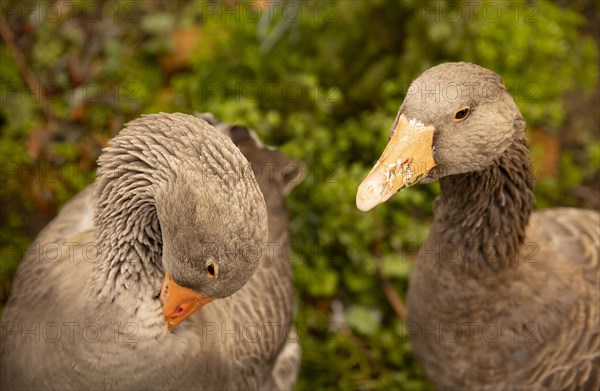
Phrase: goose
pixel 501 297
pixel 154 276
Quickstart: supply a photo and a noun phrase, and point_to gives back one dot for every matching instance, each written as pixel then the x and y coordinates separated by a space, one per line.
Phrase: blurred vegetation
pixel 323 81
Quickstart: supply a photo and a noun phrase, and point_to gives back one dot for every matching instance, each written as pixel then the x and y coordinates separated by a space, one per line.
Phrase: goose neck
pixel 128 230
pixel 481 216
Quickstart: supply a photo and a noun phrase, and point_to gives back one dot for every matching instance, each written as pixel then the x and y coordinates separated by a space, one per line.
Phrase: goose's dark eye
pixel 212 269
pixel 462 114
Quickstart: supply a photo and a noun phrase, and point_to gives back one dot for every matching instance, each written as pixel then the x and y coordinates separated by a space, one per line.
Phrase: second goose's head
pixel 456 118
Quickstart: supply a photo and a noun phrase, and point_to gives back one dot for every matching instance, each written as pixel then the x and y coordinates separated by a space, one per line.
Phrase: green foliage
pixel 325 88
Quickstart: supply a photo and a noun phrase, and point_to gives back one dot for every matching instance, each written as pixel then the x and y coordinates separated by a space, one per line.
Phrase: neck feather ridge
pixel 128 229
pixel 481 217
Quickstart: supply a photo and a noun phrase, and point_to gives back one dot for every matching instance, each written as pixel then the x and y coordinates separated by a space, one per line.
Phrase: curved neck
pixel 481 216
pixel 128 230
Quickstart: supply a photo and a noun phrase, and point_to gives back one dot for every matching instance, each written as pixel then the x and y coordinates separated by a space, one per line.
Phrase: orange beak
pixel 179 302
pixel 407 158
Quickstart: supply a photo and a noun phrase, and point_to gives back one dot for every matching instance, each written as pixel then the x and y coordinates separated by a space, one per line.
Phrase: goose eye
pixel 462 114
pixel 212 269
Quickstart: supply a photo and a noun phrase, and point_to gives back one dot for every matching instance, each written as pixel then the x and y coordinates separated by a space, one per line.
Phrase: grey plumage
pixel 501 298
pixel 276 174
pixel 171 193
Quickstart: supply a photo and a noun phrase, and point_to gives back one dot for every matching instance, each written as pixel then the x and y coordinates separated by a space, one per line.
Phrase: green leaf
pixel 395 266
pixel 362 320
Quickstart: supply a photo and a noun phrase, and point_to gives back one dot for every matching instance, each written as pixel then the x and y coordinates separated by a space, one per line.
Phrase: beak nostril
pixel 178 311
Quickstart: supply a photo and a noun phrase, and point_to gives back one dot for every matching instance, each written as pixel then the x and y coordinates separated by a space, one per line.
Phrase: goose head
pixel 213 239
pixel 456 118
pixel 182 197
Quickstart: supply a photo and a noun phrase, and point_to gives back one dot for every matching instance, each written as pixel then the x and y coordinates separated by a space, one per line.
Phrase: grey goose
pixel 501 298
pixel 156 276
